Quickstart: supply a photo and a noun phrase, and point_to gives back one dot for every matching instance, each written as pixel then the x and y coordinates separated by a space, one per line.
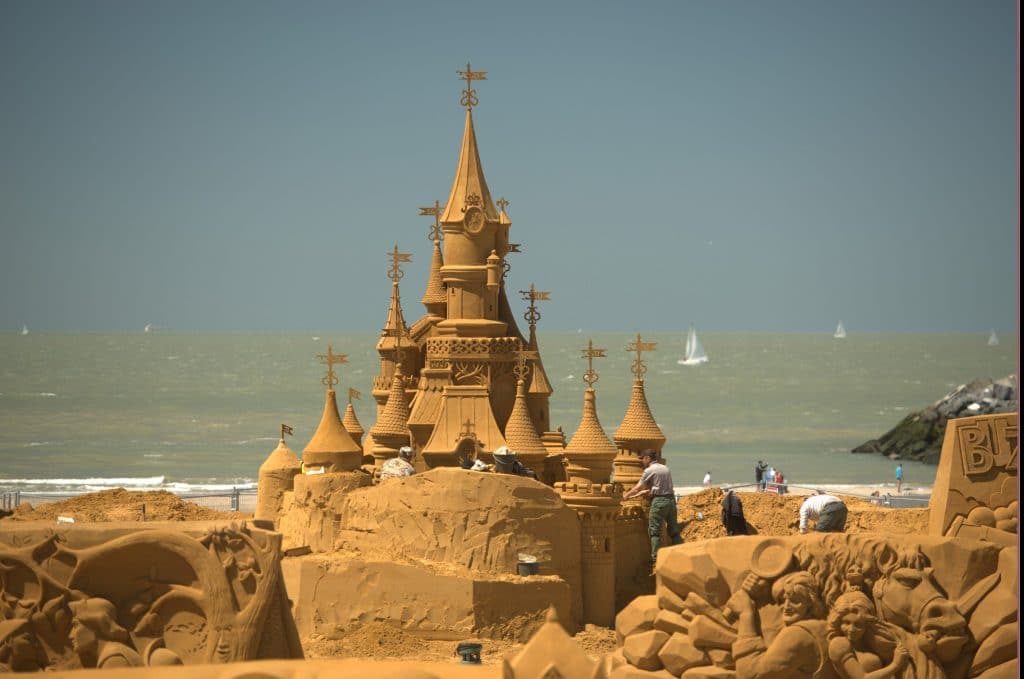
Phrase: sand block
pixel 641 649
pixel 332 593
pixel 194 592
pixel 637 617
pixel 679 654
pixel 975 493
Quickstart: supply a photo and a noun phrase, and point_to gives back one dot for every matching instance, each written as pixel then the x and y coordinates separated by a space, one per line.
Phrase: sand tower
pixel 590 452
pixel 459 360
pixel 332 449
pixel 638 430
pixel 276 477
pixel 350 421
pixel 520 432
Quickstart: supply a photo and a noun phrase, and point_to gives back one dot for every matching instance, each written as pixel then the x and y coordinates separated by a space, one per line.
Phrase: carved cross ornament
pixel 395 272
pixel 533 295
pixel 639 346
pixel 469 99
pixel 331 359
pixel 590 353
pixel 434 211
pixel 522 369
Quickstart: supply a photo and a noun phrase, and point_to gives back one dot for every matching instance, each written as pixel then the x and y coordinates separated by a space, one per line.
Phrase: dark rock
pixel 919 435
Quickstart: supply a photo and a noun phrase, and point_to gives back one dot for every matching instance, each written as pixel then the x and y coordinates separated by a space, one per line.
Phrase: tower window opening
pixel 607 545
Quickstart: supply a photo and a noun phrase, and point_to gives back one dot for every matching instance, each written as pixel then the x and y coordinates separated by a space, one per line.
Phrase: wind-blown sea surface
pixel 200 412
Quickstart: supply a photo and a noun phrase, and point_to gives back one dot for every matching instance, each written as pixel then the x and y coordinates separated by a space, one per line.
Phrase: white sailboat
pixel 24 330
pixel 840 332
pixel 694 354
pixel 993 339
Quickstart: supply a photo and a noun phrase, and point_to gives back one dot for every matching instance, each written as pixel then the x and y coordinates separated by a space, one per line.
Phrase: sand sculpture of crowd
pixel 436 551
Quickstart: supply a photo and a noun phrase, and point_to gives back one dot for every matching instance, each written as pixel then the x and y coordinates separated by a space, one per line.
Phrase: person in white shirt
pixel 707 480
pixel 827 511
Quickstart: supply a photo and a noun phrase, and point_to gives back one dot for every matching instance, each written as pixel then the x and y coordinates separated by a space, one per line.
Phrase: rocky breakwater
pixel 919 436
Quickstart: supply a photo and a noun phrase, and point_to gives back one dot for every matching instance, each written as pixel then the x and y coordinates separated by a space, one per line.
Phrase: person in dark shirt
pixel 732 514
pixel 759 469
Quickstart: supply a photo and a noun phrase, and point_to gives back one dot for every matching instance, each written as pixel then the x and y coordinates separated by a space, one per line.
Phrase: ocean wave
pixel 142 483
pixel 245 442
pixel 114 482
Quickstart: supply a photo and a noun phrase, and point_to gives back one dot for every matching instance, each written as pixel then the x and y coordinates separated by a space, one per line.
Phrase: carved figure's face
pixel 855 622
pixel 83 639
pixel 795 606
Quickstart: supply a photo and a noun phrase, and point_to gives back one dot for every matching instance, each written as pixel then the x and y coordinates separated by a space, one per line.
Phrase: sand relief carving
pixel 155 597
pixel 825 606
pixel 975 494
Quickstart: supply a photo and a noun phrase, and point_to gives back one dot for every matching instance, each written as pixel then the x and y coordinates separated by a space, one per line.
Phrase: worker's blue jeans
pixel 663 510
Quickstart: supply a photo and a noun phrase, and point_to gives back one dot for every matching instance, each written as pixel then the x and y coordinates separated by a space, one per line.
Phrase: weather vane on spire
pixel 521 369
pixel 469 99
pixel 590 353
pixel 395 272
pixel 533 295
pixel 502 203
pixel 639 346
pixel 331 359
pixel 435 212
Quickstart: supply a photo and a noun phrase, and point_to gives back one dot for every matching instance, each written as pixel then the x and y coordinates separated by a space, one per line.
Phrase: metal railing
pixel 10 500
pixel 887 500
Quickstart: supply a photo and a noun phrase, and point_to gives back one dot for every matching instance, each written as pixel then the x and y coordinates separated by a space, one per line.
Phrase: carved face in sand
pixel 911 598
pixel 851 616
pixel 83 640
pixel 798 598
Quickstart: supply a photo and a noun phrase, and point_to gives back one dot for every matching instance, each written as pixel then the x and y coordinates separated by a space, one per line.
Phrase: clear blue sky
pixel 772 166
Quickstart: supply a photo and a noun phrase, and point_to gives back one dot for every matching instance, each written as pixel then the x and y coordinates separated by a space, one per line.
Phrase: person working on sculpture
pixel 828 511
pixel 657 480
pixel 398 467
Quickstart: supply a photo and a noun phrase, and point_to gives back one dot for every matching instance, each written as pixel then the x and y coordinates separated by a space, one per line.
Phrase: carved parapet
pixel 382 384
pixel 976 487
pixel 752 607
pixel 157 593
pixel 449 348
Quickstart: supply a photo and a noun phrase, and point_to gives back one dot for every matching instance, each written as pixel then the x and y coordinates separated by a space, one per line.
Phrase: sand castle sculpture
pixel 457 385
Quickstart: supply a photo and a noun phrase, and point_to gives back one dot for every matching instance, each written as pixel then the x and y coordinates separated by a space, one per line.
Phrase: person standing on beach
pixel 657 480
pixel 827 511
pixel 707 480
pixel 759 469
pixel 899 477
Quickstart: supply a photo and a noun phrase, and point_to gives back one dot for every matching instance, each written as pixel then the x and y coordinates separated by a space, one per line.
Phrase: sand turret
pixel 435 298
pixel 276 477
pixel 638 430
pixel 332 447
pixel 590 452
pixel 350 421
pixel 393 335
pixel 391 430
pixel 520 434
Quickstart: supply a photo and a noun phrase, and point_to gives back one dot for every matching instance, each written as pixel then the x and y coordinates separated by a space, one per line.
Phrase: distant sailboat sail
pixel 993 339
pixel 840 332
pixel 24 330
pixel 694 353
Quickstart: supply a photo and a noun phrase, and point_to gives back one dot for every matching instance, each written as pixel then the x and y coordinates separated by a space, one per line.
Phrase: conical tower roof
pixel 590 436
pixel 395 323
pixel 394 420
pixel 280 459
pixel 331 435
pixel 638 423
pixel 520 434
pixel 435 293
pixel 538 376
pixel 469 180
pixel 351 423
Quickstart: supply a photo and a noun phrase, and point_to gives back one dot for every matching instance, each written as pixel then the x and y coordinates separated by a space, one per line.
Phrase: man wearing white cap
pixel 398 467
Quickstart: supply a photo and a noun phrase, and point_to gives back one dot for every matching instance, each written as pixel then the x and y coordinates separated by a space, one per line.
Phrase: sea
pixel 200 412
